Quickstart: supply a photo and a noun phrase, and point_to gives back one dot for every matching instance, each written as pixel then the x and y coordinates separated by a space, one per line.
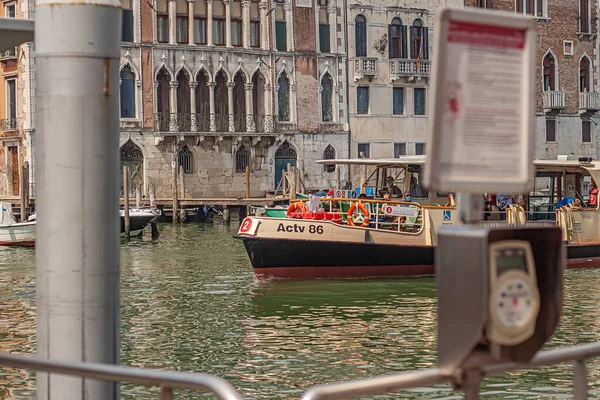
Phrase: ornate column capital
pixel 211 85
pixel 248 86
pixel 262 5
pixel 293 88
pixel 230 85
pixel 173 84
pixel 190 1
pixel 246 3
pixel 194 84
pixel 227 2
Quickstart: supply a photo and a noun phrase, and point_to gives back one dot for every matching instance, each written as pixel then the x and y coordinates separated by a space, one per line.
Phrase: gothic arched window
pixel 185 160
pixel 329 154
pixel 360 36
pixel 549 64
pixel 283 97
pixel 242 159
pixel 326 98
pixel 127 93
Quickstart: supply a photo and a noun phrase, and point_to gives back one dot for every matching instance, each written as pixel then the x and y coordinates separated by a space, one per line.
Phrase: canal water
pixel 190 302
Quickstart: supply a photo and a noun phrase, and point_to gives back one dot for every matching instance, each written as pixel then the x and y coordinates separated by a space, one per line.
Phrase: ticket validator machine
pixel 499 286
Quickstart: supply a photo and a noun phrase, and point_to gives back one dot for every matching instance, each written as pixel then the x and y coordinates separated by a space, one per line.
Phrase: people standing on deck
pixel 407 197
pixel 503 200
pixel 593 201
pixel 391 188
pixel 321 193
pixel 451 200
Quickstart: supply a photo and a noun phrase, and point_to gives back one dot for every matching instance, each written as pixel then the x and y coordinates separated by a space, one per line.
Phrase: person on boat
pixel 451 200
pixel 569 202
pixel 330 194
pixel 362 196
pixel 321 193
pixel 503 200
pixel 408 197
pixel 391 188
pixel 593 201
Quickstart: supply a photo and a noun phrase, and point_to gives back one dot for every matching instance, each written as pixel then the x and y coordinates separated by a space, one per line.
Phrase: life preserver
pixel 298 206
pixel 365 211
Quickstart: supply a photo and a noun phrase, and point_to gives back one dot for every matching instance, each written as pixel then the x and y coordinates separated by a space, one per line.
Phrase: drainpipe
pixel 77 257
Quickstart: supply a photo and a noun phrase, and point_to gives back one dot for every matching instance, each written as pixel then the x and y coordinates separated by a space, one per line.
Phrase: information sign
pixel 483 125
pixel 401 211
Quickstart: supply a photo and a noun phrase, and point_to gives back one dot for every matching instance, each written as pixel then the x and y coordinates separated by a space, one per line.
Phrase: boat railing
pixel 337 208
pixel 167 381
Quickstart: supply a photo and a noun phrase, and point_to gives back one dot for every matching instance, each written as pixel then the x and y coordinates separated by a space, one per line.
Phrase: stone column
pixel 250 125
pixel 227 22
pixel 209 23
pixel 335 104
pixel 293 104
pixel 289 25
pixel 172 22
pixel 211 105
pixel 193 125
pixel 173 126
pixel 191 23
pixel 230 86
pixel 317 33
pixel 264 26
pixel 268 124
pixel 332 10
pixel 246 23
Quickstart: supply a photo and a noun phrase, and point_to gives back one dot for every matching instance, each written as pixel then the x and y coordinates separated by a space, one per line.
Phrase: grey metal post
pixel 77 159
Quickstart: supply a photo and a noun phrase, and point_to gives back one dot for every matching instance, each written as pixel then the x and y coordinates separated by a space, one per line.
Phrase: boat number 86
pixel 315 229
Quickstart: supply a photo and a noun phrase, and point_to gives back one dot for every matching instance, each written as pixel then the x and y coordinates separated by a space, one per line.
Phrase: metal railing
pixel 553 99
pixel 408 67
pixel 162 122
pixel 168 381
pixel 203 122
pixel 365 67
pixel 433 376
pixel 184 122
pixel 9 124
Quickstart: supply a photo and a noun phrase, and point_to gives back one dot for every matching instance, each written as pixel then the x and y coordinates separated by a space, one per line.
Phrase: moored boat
pixel 320 248
pixel 13 233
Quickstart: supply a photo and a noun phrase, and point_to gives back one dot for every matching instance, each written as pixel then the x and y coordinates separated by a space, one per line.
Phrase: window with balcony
pixel 283 97
pixel 162 21
pixel 219 32
pixel 326 98
pixel 11 104
pixel 420 101
pixel 360 36
pixel 221 99
pixel 398 101
pixel 242 159
pixel 397 36
pixel 399 149
pixel 254 25
pixel 236 24
pixel 536 8
pixel 419 41
pixel 200 23
pixel 324 40
pixel 584 75
pixel 181 21
pixel 280 29
pixel 550 130
pixel 484 4
pixel 420 149
pixel 329 154
pixel 584 16
pixel 362 103
pixel 586 131
pixel 163 100
pixel 364 150
pixel 185 159
pixel 127 93
pixel 10 11
pixel 183 101
pixel 549 66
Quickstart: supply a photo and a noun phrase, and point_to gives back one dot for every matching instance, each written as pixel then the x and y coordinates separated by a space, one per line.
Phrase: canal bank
pixel 190 302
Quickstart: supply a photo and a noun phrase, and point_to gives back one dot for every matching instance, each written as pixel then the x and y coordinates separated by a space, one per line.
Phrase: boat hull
pixel 313 259
pixel 18 234
pixel 136 223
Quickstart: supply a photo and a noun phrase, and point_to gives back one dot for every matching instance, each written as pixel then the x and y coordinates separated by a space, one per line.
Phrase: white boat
pixel 13 233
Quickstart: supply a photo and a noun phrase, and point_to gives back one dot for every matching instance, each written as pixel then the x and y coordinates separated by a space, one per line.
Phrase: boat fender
pixel 365 211
pixel 298 206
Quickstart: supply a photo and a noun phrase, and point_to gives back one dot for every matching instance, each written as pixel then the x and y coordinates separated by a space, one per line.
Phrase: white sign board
pixel 401 211
pixel 344 194
pixel 249 226
pixel 483 127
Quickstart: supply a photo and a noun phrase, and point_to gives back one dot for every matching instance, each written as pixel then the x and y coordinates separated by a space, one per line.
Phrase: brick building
pixel 216 85
pixel 567 95
pixel 16 105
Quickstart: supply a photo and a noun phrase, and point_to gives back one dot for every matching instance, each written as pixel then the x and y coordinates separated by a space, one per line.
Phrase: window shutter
pixel 413 33
pixel 324 42
pixel 361 39
pixel 404 49
pixel 127 33
pixel 280 36
pixel 391 42
pixel 425 43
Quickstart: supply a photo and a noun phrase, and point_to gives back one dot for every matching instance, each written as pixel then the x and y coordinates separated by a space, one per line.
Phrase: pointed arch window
pixel 242 159
pixel 183 101
pixel 329 154
pixel 584 16
pixel 185 159
pixel 163 103
pixel 397 35
pixel 360 36
pixel 549 65
pixel 127 93
pixel 326 98
pixel 283 97
pixel 584 75
pixel 221 103
pixel 419 41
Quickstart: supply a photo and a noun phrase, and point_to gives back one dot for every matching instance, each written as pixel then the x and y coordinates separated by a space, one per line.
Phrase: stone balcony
pixel 404 67
pixel 219 123
pixel 365 67
pixel 589 102
pixel 553 100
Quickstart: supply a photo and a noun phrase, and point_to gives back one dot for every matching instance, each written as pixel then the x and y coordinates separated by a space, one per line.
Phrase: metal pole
pixel 174 177
pixel 247 182
pixel 77 257
pixel 23 191
pixel 580 381
pixel 472 384
pixel 126 221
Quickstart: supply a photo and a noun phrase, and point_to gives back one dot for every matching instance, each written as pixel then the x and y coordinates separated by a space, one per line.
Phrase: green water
pixel 190 302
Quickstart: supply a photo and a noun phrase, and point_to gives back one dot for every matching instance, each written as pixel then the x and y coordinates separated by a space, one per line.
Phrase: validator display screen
pixel 509 260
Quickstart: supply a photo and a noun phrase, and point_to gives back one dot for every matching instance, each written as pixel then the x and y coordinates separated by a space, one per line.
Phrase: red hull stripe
pixel 28 243
pixel 381 270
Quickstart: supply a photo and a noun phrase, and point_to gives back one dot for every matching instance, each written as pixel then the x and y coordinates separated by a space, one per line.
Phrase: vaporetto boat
pixel 400 237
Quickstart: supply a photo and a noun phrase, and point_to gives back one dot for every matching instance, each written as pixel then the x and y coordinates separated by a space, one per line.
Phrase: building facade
pixel 389 53
pixel 214 86
pixel 567 97
pixel 16 106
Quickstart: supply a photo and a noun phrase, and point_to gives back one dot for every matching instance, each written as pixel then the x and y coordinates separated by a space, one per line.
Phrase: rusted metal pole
pixel 126 202
pixel 247 182
pixel 174 178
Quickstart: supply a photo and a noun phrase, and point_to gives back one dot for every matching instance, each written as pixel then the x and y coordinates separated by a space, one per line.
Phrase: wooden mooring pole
pixel 247 182
pixel 337 177
pixel 175 203
pixel 126 201
pixel 23 190
pixel 152 195
pixel 138 196
pixel 182 182
pixel 292 183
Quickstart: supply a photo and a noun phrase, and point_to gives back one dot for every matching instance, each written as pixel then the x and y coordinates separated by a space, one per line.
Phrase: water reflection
pixel 190 302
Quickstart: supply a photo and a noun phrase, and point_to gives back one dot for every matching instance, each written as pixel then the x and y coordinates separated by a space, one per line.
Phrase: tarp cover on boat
pixel 6 218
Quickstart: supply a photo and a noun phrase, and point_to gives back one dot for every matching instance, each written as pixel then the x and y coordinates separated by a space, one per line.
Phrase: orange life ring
pixel 365 211
pixel 298 206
